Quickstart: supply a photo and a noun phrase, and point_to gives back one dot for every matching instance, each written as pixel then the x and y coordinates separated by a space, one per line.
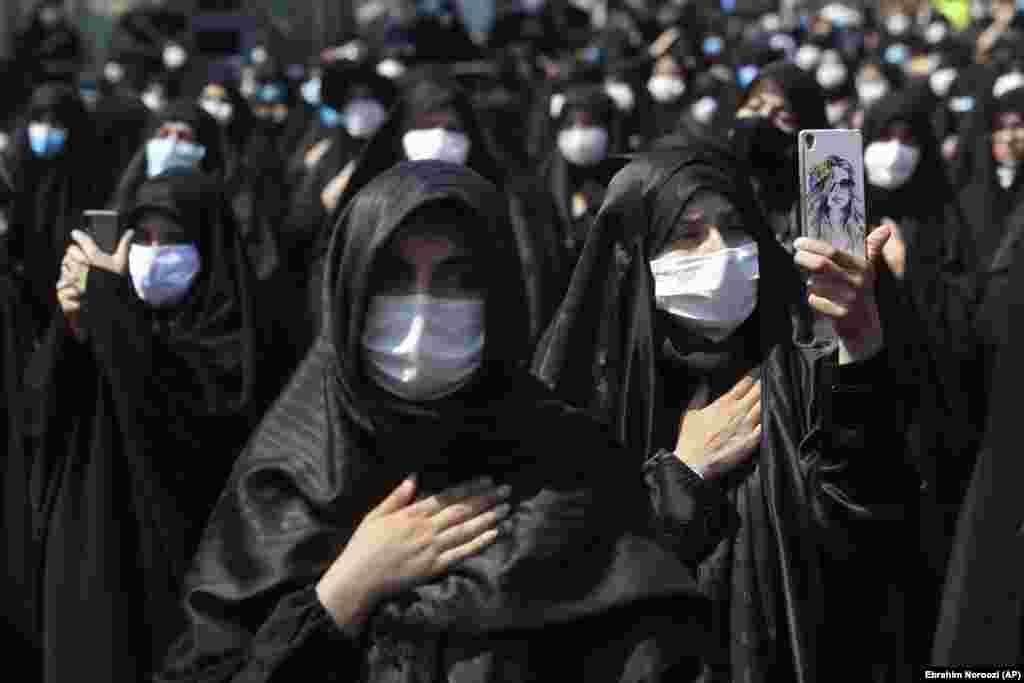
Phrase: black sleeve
pixel 299 641
pixel 691 514
pixel 857 464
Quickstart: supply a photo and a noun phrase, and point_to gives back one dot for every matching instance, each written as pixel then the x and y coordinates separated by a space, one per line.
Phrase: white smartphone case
pixel 832 187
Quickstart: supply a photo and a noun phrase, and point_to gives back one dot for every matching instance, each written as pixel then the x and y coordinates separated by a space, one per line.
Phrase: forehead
pixel 440 223
pixel 768 91
pixel 870 71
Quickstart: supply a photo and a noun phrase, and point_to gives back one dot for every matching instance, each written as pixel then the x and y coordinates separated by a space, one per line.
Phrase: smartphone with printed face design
pixel 832 188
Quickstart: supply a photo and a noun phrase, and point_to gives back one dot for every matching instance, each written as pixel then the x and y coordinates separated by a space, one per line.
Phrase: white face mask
pixel 897 24
pixel 870 92
pixel 890 164
pixel 831 75
pixel 163 154
pixel 1007 82
pixel 936 33
pixel 712 294
pixel 175 56
pixel 703 110
pixel 390 69
pixel 436 143
pixel 154 100
pixel 621 94
pixel 163 275
pixel 221 110
pixel 941 81
pixel 666 89
pixel 584 146
pixel 113 72
pixel 422 348
pixel 1006 174
pixel 363 117
pixel 835 111
pixel 808 57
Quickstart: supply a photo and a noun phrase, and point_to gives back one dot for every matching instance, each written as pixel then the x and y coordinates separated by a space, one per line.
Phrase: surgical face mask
pixel 390 69
pixel 162 275
pixel 869 92
pixel 154 100
pixel 890 164
pixel 436 143
pixel 704 109
pixel 585 146
pixel 49 16
pixel 175 57
pixel 961 105
pixel 936 33
pixel 941 81
pixel 621 94
pixel 221 110
pixel 712 46
pixel 329 117
pixel 363 117
pixel 831 75
pixel 712 295
pixel 46 141
pixel 835 111
pixel 897 55
pixel 422 348
pixel 666 89
pixel 1007 82
pixel 163 154
pixel 113 72
pixel 897 24
pixel 532 6
pixel 259 55
pixel 1006 173
pixel 746 75
pixel 311 92
pixel 808 57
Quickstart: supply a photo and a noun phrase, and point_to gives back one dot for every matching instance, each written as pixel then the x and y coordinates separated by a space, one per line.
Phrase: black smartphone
pixel 102 226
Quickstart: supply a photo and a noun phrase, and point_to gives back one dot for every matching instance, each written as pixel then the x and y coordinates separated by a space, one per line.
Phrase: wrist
pixel 858 349
pixel 701 469
pixel 349 603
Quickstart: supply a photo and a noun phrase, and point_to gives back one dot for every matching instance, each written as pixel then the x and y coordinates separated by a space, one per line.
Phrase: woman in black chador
pixel 138 401
pixel 549 560
pixel 682 290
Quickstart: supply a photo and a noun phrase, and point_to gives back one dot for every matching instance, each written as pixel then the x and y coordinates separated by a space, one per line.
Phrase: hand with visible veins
pixel 716 438
pixel 402 543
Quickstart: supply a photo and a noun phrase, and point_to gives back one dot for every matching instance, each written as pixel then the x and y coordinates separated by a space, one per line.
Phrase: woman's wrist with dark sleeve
pixel 300 639
pixel 693 513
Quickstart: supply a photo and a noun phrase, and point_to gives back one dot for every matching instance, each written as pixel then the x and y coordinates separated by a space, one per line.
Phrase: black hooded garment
pixel 533 218
pixel 207 134
pixel 777 188
pixel 980 618
pixel 817 517
pixel 140 36
pixel 15 509
pixel 582 584
pixel 132 434
pixel 578 191
pixel 49 197
pixel 234 135
pixel 43 54
pixel 986 204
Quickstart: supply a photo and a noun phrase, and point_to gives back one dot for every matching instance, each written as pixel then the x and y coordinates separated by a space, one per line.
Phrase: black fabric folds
pixel 49 197
pixel 787 586
pixel 131 435
pixel 576 588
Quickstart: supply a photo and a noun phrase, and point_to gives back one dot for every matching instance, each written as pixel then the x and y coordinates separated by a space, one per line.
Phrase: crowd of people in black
pixel 447 359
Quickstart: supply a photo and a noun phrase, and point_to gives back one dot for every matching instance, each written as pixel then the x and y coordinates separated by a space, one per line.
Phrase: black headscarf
pixel 288 509
pixel 986 204
pixel 612 350
pixel 768 150
pixel 45 53
pixel 50 195
pixel 207 134
pixel 132 434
